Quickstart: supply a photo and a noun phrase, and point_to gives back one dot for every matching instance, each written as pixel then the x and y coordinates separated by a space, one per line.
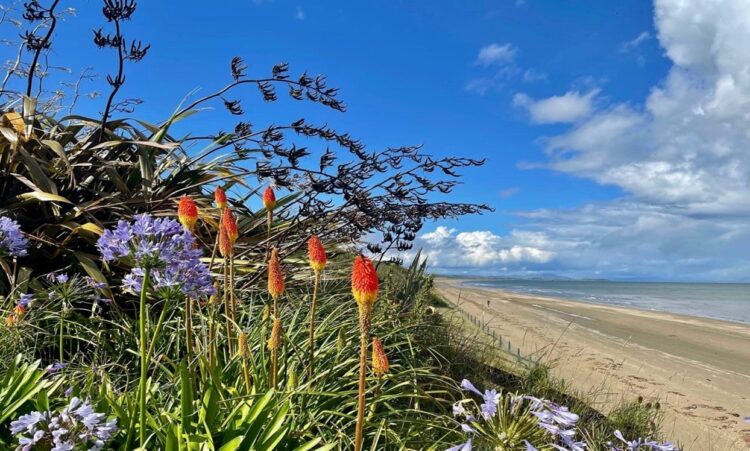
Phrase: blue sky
pixel 603 122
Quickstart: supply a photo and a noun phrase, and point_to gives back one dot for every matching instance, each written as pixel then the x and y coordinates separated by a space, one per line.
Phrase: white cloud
pixel 509 192
pixel 632 44
pixel 532 75
pixel 480 85
pixel 680 157
pixel 496 54
pixel 444 248
pixel 569 107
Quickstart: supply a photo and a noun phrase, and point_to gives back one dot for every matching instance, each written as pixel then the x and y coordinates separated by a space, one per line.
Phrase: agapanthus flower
pixel 379 359
pixel 364 282
pixel 275 275
pixel 269 199
pixel 221 198
pixel 12 241
pixel 317 254
pixel 642 444
pixel 56 367
pixel 462 447
pixel 163 248
pixel 187 213
pixel 76 426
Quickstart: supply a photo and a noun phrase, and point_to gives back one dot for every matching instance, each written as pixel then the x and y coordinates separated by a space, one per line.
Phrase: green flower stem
pixel 364 338
pixel 144 359
pixel 62 326
pixel 316 282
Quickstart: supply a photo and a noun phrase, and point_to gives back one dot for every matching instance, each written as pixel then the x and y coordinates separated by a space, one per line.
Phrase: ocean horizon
pixel 722 301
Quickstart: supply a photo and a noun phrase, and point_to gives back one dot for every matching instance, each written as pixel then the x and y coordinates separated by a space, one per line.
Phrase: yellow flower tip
pixel 187 213
pixel 275 341
pixel 266 313
pixel 317 254
pixel 220 197
pixel 379 359
pixel 364 282
pixel 269 199
pixel 275 275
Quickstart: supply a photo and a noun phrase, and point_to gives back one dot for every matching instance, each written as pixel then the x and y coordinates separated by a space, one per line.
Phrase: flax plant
pixel 318 259
pixel 365 292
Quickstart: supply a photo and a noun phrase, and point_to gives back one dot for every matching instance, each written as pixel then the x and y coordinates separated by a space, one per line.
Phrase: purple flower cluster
pixel 12 241
pixel 558 421
pixel 77 425
pixel 641 444
pixel 163 248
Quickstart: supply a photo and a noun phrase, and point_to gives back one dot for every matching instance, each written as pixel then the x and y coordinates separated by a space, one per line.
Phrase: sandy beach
pixel 698 369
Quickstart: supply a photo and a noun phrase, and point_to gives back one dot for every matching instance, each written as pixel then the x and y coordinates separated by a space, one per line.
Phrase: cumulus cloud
pixel 680 156
pixel 569 107
pixel 446 248
pixel 495 54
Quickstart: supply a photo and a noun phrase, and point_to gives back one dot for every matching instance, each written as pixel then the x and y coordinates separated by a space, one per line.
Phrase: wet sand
pixel 698 369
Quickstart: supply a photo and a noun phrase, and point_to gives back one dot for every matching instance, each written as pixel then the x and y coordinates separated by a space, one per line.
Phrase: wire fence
pixel 502 344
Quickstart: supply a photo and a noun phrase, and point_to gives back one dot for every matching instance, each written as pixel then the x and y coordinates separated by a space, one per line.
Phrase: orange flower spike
pixel 230 224
pixel 275 275
pixel 220 197
pixel 275 341
pixel 269 199
pixel 379 359
pixel 225 245
pixel 20 310
pixel 317 254
pixel 364 282
pixel 11 320
pixel 187 212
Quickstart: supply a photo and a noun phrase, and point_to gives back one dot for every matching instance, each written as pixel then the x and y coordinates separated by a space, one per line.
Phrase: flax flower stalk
pixel 365 292
pixel 318 259
pixel 269 203
pixel 275 289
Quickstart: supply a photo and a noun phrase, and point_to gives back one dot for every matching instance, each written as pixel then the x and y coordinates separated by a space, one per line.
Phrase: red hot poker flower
pixel 364 282
pixel 230 224
pixel 225 245
pixel 187 212
pixel 275 275
pixel 317 254
pixel 269 199
pixel 220 197
pixel 379 359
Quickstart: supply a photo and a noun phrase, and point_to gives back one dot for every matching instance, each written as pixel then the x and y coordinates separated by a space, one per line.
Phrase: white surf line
pixel 561 312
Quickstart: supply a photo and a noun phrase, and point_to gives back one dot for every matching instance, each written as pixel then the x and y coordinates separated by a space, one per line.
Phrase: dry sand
pixel 698 369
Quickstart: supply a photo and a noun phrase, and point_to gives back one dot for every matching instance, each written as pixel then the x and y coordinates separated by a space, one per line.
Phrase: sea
pixel 724 301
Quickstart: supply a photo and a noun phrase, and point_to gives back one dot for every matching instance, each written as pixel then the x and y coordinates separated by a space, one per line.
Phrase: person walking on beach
pixel 488 303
